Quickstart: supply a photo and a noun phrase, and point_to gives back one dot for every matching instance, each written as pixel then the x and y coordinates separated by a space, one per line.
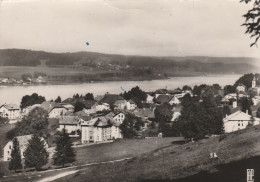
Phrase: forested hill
pixel 20 57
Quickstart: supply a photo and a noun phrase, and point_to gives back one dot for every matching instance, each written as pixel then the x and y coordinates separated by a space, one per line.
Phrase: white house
pixel 69 123
pixel 241 88
pixel 237 121
pixel 26 110
pixel 100 129
pixel 131 105
pixel 10 111
pixel 149 98
pixel 121 104
pixel 55 110
pixel 23 143
pixel 102 107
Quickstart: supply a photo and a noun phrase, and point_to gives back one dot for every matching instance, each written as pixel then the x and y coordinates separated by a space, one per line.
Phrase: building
pixel 55 110
pixel 241 88
pixel 131 105
pixel 69 123
pixel 100 129
pixel 10 111
pixel 174 101
pixel 237 121
pixel 23 143
pixel 120 104
pixel 28 109
pixel 176 113
pixel 255 86
pixel 149 98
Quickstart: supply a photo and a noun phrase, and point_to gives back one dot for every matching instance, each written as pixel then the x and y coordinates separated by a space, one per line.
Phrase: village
pixel 90 120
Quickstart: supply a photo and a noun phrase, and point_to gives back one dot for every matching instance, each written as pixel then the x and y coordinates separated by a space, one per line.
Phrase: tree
pixel 35 123
pixel 130 126
pixel 226 111
pixel 64 152
pixel 163 115
pixel 245 103
pixel 258 113
pixel 16 161
pixel 89 96
pixel 58 100
pixel 252 22
pixel 29 100
pixel 186 87
pixel 229 89
pixel 79 106
pixel 36 154
pixel 136 94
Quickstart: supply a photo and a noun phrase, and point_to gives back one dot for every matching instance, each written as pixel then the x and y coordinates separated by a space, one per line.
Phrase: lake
pixel 14 94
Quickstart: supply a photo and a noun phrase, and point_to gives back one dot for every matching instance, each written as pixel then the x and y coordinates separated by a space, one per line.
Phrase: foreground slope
pixel 188 162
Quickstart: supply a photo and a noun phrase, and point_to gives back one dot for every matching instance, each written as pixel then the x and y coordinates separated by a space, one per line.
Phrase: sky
pixel 128 27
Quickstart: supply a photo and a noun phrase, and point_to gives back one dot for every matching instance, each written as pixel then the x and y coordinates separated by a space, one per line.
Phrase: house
pixel 131 105
pixel 68 106
pixel 144 113
pixel 241 88
pixel 162 99
pixel 40 79
pixel 149 98
pixel 26 110
pixel 10 111
pixel 69 123
pixel 174 100
pixel 23 143
pixel 120 104
pixel 237 121
pixel 102 107
pixel 55 110
pixel 110 99
pixel 100 129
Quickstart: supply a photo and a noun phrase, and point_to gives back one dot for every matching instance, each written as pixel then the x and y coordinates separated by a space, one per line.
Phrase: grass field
pixel 191 162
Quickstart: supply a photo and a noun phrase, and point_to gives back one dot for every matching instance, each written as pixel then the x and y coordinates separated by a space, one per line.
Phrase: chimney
pixel 234 104
pixel 246 111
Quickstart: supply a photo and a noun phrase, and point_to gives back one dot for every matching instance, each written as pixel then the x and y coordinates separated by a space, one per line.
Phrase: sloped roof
pixel 239 115
pixel 111 98
pixel 144 112
pixel 11 106
pixel 69 120
pixel 163 98
pixel 49 106
pixel 89 103
pixel 117 102
pixel 131 101
pixel 161 91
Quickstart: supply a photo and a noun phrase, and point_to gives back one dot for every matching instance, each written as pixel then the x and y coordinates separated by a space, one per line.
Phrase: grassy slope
pixel 174 162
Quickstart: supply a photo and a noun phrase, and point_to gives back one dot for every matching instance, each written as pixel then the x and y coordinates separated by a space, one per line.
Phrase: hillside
pixel 188 162
pixel 167 161
pixel 169 65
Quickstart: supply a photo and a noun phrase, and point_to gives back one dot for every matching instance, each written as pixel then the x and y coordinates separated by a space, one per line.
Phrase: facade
pixel 237 121
pixel 174 101
pixel 10 111
pixel 149 98
pixel 101 128
pixel 57 112
pixel 23 143
pixel 255 86
pixel 131 105
pixel 69 123
pixel 121 104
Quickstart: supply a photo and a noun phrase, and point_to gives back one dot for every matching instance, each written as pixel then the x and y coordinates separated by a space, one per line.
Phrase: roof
pixel 161 91
pixel 131 101
pixel 111 99
pixel 49 106
pixel 174 91
pixel 69 120
pixel 89 103
pixel 11 106
pixel 117 102
pixel 238 115
pixel 163 98
pixel 144 112
pixel 81 113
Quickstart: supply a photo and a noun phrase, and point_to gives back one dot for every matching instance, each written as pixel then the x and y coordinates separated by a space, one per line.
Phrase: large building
pixel 102 128
pixel 237 121
pixel 10 111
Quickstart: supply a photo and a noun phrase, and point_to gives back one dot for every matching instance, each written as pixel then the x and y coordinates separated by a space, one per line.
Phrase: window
pixel 10 147
pixel 238 124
